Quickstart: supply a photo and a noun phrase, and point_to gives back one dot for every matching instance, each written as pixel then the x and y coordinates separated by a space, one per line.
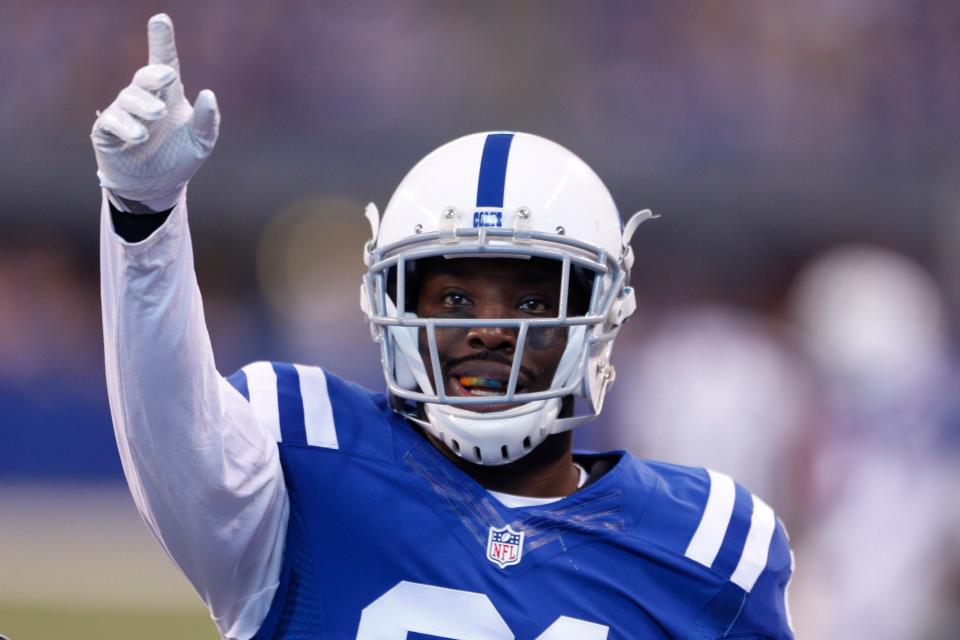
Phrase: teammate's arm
pixel 204 474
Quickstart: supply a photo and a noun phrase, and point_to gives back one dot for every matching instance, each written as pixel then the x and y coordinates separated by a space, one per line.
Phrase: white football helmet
pixel 499 195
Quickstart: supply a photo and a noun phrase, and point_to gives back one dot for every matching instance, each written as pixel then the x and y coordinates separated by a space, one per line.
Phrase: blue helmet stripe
pixel 493 169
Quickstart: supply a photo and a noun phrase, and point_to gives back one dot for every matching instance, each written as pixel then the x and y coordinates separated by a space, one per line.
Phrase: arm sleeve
pixel 204 474
pixel 766 613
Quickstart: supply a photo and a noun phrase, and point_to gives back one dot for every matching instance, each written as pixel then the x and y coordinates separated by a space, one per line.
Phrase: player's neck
pixel 546 472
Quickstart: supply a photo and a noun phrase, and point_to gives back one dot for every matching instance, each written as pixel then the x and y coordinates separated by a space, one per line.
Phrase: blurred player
pixel 723 388
pixel 300 505
pixel 885 479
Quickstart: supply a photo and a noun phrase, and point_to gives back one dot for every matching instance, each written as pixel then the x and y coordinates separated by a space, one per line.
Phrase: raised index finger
pixel 162 46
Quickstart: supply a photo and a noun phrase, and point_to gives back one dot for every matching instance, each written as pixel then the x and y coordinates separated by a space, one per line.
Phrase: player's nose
pixel 493 338
pixel 502 339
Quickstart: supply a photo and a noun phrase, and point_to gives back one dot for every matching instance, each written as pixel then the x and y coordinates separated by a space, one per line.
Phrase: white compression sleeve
pixel 204 474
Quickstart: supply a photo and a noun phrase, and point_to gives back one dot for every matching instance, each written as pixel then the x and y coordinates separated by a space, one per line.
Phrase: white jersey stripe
pixel 317 412
pixel 262 385
pixel 755 550
pixel 705 545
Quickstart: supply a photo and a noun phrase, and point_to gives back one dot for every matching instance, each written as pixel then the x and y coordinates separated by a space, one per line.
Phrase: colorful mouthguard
pixel 479 381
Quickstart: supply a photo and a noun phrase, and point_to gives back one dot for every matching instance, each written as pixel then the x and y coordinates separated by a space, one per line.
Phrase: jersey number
pixel 453 614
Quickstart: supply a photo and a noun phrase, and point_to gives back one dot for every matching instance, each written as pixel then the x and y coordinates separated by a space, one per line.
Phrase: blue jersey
pixel 387 538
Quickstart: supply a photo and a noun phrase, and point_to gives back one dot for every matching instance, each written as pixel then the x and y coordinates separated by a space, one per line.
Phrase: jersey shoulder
pixel 304 405
pixel 719 527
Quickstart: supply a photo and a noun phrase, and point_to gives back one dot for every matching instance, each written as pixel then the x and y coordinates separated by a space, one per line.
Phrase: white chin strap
pixel 408 368
pixel 495 437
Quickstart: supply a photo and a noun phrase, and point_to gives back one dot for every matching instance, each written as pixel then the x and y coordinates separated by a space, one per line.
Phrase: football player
pixel 300 505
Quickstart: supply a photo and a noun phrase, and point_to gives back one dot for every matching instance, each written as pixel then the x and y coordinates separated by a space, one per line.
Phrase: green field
pixel 77 562
pixel 55 623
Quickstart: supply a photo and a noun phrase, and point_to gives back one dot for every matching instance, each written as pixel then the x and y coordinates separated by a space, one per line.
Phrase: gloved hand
pixel 149 142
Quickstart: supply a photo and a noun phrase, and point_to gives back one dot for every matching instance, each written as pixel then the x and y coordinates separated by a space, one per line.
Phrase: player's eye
pixel 455 300
pixel 533 305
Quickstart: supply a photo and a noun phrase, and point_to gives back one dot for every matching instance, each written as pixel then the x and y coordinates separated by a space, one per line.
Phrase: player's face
pixel 476 361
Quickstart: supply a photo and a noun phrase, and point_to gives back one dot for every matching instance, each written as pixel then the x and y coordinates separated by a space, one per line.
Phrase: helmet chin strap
pixel 567 367
pixel 409 369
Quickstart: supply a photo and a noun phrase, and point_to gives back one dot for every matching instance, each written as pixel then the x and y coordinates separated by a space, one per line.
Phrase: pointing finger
pixel 162 46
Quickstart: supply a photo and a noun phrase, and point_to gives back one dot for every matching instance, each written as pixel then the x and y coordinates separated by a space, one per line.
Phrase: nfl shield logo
pixel 504 546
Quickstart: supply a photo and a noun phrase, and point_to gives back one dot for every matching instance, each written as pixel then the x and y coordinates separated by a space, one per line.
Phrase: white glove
pixel 149 142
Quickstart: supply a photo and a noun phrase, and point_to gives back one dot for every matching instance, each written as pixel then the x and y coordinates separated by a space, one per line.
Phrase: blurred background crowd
pixel 799 297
